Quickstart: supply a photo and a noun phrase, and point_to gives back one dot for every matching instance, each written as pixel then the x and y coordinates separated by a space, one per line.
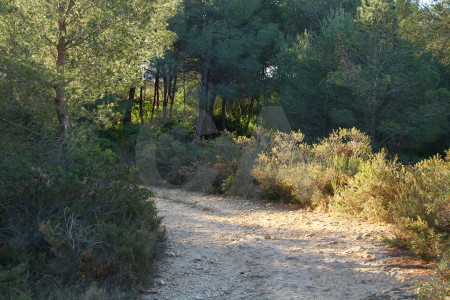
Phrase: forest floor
pixel 227 248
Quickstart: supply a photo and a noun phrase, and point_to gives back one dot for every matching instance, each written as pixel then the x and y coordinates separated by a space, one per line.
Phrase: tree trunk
pixel 166 92
pixel 211 103
pixel 60 85
pixel 223 117
pixel 155 94
pixel 184 93
pixel 141 105
pixel 203 101
pixel 61 110
pixel 174 91
pixel 210 126
pixel 129 106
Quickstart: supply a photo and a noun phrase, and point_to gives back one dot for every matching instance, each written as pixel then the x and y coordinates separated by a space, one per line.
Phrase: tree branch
pixel 19 126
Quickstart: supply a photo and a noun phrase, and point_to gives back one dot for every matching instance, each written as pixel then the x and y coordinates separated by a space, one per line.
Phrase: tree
pixel 380 69
pixel 359 71
pixel 427 26
pixel 84 45
pixel 229 44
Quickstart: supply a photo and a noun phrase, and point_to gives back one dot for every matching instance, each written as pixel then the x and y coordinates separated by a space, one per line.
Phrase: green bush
pixel 421 207
pixel 414 198
pixel 181 159
pixel 439 288
pixel 340 173
pixel 281 171
pixel 69 215
pixel 309 175
pixel 368 194
pixel 227 151
pixel 349 143
pixel 177 156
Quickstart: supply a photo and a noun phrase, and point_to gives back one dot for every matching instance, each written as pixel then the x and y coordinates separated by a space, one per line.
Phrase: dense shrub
pixel 421 207
pixel 183 160
pixel 170 155
pixel 368 194
pixel 279 170
pixel 69 215
pixel 439 288
pixel 121 139
pixel 227 152
pixel 294 171
pixel 348 143
pixel 340 173
pixel 415 198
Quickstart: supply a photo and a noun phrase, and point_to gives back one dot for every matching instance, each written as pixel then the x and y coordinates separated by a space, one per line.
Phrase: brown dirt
pixel 226 248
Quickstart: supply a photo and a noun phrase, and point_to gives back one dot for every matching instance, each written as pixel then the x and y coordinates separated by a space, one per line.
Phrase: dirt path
pixel 220 248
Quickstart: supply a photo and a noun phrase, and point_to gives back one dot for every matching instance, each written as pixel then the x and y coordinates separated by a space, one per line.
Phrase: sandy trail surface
pixel 225 248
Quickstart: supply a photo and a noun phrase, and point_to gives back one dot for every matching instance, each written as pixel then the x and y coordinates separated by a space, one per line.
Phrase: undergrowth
pixel 70 216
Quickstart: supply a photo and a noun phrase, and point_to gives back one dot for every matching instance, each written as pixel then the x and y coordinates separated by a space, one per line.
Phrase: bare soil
pixel 227 248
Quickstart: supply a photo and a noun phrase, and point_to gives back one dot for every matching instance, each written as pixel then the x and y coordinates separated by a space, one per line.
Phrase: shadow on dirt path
pixel 224 248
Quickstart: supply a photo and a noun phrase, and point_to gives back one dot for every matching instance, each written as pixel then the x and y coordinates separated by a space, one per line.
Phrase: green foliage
pixel 180 159
pixel 294 171
pixel 358 70
pixel 227 151
pixel 177 157
pixel 414 198
pixel 274 169
pixel 368 193
pixel 72 217
pixel 421 209
pixel 340 173
pixel 439 288
pixel 427 27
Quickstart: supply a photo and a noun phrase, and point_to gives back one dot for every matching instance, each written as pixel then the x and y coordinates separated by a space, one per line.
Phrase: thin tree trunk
pixel 155 94
pixel 203 101
pixel 223 118
pixel 210 126
pixel 60 86
pixel 141 105
pixel 174 91
pixel 157 91
pixel 184 93
pixel 211 103
pixel 166 93
pixel 129 106
pixel 154 103
pixel 61 110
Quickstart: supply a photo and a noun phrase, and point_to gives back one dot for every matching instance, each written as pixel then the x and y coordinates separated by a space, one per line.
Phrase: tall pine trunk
pixel 203 100
pixel 129 106
pixel 223 115
pixel 60 86
pixel 155 94
pixel 141 105
pixel 166 93
pixel 174 91
pixel 210 126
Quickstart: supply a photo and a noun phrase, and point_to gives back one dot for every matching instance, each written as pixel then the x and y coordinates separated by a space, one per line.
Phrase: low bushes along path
pixel 225 248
